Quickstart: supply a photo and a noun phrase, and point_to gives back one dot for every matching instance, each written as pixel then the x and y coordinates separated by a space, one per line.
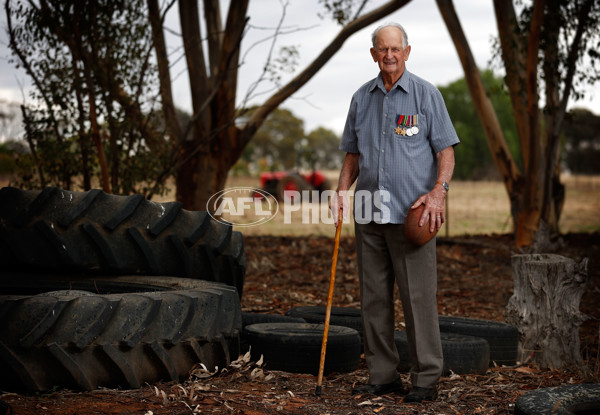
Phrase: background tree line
pixel 282 143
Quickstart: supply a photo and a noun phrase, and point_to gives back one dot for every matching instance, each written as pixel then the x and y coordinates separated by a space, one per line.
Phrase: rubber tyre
pixel 96 232
pixel 257 318
pixel 582 399
pixel 83 333
pixel 326 185
pixel 503 338
pixel 296 182
pixel 340 316
pixel 296 347
pixel 462 354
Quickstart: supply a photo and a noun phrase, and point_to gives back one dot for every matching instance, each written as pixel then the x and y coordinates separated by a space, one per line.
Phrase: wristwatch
pixel 445 185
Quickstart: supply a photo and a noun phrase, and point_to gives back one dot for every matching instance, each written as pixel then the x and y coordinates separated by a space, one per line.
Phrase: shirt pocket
pixel 417 121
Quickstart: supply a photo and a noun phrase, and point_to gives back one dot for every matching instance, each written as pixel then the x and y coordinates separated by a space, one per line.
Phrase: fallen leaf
pixel 526 369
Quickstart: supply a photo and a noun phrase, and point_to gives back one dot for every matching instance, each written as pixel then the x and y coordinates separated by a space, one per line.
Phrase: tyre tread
pixel 96 232
pixel 171 210
pixel 125 212
pixel 85 340
pixel 79 209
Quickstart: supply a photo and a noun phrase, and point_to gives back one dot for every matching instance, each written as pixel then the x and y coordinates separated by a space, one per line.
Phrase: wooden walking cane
pixel 336 246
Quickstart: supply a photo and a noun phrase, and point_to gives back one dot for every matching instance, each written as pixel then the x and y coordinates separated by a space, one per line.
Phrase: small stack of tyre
pixel 100 290
pixel 293 342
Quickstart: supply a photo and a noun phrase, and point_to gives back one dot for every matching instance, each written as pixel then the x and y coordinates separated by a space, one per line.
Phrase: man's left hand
pixel 434 208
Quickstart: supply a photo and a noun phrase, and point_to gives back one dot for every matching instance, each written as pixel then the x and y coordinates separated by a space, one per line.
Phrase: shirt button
pixel 383 151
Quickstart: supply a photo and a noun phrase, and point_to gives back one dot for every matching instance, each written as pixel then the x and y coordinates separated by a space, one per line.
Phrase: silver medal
pixel 409 132
pixel 414 130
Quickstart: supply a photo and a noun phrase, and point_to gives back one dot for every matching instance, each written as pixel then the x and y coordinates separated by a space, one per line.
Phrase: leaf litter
pixel 474 280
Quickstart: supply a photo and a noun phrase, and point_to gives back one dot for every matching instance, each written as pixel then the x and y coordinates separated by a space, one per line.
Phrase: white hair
pixel 390 24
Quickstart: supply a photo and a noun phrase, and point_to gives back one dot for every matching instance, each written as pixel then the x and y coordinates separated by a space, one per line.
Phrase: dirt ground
pixel 475 280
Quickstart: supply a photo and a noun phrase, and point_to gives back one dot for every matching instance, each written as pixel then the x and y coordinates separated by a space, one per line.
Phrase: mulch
pixel 474 280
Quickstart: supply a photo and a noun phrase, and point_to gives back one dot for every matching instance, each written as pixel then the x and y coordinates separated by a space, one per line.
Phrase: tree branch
pixel 513 57
pixel 173 127
pixel 533 164
pixel 229 59
pixel 194 53
pixel 214 30
pixel 584 16
pixel 302 78
pixel 27 66
pixel 262 75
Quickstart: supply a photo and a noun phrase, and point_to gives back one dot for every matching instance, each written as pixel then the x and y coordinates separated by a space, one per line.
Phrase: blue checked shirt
pixel 400 167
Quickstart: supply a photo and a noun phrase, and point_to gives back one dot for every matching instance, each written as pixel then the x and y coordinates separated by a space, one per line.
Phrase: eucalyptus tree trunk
pixel 535 193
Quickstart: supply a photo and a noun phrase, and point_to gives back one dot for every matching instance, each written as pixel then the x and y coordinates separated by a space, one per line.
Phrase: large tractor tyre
pixel 462 354
pixel 323 187
pixel 83 333
pixel 293 181
pixel 503 338
pixel 296 347
pixel 582 399
pixel 271 187
pixel 340 316
pixel 96 232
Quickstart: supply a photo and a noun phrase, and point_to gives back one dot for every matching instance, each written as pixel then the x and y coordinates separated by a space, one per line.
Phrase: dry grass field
pixel 473 207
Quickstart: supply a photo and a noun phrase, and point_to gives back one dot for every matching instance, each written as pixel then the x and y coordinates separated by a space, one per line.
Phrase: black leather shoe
pixel 384 389
pixel 418 394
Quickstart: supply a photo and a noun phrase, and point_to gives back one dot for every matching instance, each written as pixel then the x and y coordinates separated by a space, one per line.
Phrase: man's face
pixel 389 53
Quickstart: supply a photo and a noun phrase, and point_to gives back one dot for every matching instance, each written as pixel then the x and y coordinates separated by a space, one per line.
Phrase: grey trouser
pixel 384 256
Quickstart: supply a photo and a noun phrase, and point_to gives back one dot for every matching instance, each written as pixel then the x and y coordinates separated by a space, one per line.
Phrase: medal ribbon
pixel 400 120
pixel 407 120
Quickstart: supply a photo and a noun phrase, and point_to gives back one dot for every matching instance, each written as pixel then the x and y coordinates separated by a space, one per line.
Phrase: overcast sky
pixel 324 100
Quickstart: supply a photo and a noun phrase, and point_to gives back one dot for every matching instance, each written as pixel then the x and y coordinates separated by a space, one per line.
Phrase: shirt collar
pixel 402 83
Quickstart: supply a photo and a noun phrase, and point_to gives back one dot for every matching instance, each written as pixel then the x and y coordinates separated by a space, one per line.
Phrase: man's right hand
pixel 340 199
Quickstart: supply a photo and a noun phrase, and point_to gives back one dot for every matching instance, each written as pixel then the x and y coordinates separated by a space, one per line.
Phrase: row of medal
pixel 407 125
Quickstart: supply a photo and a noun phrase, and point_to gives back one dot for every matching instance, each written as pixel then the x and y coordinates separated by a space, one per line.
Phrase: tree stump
pixel 545 308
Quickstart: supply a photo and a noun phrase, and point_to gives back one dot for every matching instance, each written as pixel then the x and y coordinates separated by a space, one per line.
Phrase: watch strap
pixel 444 185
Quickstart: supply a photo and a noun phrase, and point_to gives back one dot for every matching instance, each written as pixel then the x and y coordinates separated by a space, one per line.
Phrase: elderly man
pixel 399 142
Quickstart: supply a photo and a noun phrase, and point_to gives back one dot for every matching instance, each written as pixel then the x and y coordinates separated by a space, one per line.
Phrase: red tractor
pixel 277 182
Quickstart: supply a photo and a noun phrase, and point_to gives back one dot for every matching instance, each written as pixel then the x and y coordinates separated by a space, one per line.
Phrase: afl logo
pixel 242 206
